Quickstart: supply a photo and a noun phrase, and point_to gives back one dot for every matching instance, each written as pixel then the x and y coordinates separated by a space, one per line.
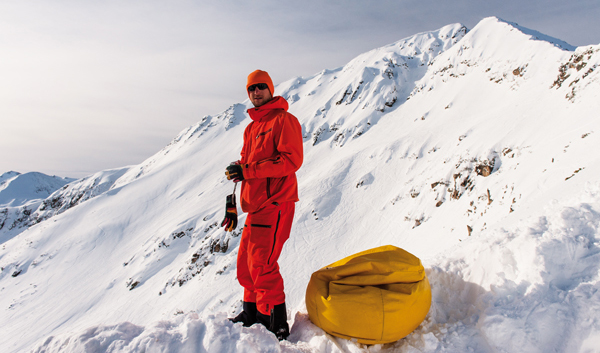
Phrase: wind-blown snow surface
pixel 474 151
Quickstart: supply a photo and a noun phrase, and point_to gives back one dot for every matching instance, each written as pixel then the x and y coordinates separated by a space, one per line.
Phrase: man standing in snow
pixel 271 155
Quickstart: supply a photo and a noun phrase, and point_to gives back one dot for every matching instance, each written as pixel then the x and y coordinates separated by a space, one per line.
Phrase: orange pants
pixel 263 237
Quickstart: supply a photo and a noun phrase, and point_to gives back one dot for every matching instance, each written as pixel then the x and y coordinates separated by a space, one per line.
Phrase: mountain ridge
pixel 17 189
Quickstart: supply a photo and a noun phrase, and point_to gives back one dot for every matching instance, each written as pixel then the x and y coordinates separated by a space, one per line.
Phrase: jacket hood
pixel 277 103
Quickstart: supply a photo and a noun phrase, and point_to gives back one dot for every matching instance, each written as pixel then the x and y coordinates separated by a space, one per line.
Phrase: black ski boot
pixel 276 322
pixel 248 316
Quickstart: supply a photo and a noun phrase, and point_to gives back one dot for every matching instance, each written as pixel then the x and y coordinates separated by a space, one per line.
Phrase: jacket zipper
pixel 274 160
pixel 268 188
pixel 274 238
pixel 263 133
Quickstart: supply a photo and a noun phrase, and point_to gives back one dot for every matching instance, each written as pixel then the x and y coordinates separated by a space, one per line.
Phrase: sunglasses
pixel 260 86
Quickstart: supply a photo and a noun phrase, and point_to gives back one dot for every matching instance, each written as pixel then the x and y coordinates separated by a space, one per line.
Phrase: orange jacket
pixel 271 155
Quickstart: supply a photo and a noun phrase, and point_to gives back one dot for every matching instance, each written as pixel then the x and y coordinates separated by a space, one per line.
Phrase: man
pixel 271 155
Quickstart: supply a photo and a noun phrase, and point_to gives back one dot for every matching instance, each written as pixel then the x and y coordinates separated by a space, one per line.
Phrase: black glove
pixel 231 219
pixel 235 172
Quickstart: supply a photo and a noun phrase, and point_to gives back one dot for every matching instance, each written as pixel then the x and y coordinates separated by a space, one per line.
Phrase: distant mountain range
pixel 19 189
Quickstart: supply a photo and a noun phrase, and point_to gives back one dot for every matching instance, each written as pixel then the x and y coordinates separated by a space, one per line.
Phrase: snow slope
pixel 474 150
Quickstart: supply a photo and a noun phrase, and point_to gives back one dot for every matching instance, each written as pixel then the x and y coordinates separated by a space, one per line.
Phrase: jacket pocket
pixel 263 133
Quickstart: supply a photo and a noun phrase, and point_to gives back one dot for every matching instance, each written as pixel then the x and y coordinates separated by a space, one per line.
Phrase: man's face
pixel 259 96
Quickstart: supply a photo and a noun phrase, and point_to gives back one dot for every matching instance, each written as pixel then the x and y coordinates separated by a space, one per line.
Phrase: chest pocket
pixel 261 134
pixel 263 145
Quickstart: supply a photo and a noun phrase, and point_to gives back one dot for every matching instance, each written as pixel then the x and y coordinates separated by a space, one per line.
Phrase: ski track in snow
pixel 451 144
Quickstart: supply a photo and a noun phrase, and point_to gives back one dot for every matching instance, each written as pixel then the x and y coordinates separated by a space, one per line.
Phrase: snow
pixel 15 217
pixel 19 189
pixel 473 150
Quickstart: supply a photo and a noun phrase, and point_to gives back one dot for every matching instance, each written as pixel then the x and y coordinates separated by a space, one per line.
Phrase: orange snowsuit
pixel 271 155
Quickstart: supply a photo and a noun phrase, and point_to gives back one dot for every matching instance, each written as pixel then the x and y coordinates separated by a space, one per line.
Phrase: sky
pixel 93 85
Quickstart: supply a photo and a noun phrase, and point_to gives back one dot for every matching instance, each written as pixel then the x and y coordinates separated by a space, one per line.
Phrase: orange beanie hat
pixel 260 76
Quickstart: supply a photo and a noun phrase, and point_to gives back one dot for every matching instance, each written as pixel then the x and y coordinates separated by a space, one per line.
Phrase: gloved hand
pixel 235 172
pixel 231 219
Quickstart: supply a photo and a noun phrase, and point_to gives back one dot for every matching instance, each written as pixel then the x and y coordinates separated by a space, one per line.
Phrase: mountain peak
pixel 499 25
pixel 8 175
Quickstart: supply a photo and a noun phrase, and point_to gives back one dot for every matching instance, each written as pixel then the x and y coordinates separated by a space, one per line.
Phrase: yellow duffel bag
pixel 376 296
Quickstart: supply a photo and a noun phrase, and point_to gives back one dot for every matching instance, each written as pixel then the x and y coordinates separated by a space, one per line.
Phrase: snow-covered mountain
pixel 473 150
pixel 19 195
pixel 18 189
pixel 34 197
